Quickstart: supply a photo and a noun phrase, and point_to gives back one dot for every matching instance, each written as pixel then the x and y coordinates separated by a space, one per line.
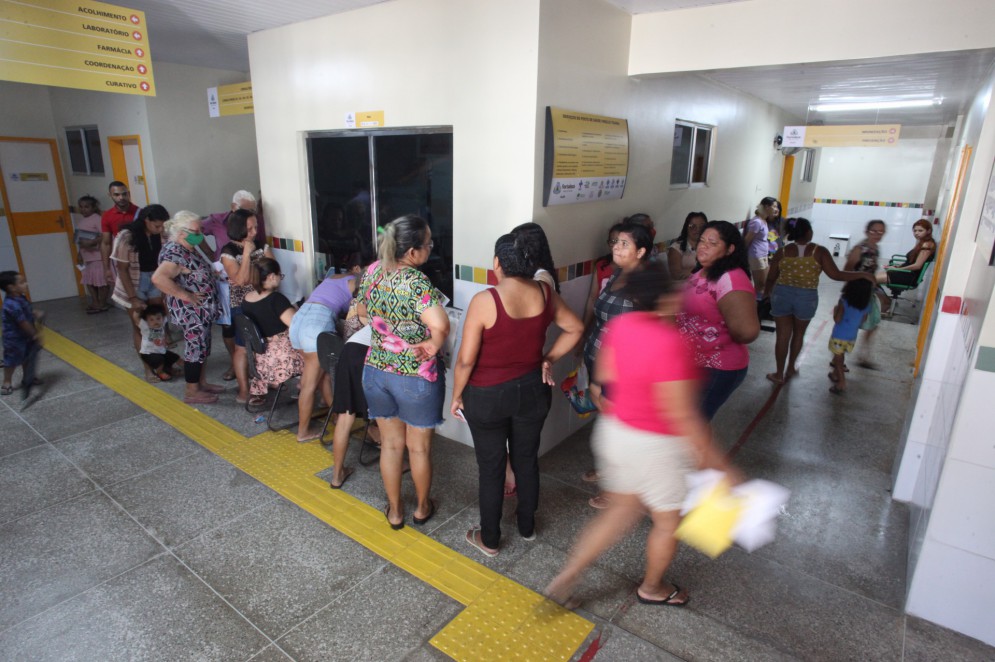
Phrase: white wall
pixel 892 174
pixel 113 115
pixel 587 74
pixel 947 471
pixel 26 111
pixel 469 65
pixel 200 161
pixel 686 40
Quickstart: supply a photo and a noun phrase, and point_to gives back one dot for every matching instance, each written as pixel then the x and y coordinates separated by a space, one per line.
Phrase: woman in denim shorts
pixel 403 379
pixel 793 287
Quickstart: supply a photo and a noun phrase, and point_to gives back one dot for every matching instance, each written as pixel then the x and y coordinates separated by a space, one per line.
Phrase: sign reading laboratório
pixel 83 45
pixel 234 99
pixel 364 119
pixel 586 159
pixel 849 135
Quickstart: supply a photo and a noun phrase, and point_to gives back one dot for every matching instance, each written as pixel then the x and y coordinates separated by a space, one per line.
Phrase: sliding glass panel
pixel 340 184
pixel 414 175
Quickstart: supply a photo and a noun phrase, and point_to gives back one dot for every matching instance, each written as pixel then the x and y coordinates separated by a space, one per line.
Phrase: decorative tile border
pixel 986 359
pixel 563 274
pixel 873 203
pixel 295 245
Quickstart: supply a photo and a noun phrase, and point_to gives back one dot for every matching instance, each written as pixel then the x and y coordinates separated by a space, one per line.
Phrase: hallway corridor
pixel 121 538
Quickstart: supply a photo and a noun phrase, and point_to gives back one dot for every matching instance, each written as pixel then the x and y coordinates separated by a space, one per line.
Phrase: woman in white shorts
pixel 650 434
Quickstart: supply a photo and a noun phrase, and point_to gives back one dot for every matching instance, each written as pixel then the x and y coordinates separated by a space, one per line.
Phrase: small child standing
pixel 88 241
pixel 157 357
pixel 21 339
pixel 849 314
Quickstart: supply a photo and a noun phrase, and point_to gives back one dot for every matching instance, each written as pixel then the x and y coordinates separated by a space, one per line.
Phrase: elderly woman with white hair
pixel 187 280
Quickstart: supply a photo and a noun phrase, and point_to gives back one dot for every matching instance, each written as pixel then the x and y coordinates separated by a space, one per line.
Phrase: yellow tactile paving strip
pixel 503 620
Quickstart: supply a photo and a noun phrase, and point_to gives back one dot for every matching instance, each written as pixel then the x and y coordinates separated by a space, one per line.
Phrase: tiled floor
pixel 122 539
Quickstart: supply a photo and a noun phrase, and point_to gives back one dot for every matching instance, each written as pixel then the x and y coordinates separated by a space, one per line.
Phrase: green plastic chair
pixel 898 289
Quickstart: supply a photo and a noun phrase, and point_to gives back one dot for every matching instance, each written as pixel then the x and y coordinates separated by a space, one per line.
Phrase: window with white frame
pixel 692 154
pixel 85 156
pixel 808 164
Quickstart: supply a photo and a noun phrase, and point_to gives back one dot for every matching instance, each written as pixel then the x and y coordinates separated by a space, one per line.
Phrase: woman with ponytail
pixel 403 379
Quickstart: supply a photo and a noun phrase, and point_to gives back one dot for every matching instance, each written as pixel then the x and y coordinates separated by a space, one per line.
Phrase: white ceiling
pixel 213 33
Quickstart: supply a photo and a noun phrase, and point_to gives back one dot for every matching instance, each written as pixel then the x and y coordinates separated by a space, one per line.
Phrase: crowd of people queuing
pixel 664 338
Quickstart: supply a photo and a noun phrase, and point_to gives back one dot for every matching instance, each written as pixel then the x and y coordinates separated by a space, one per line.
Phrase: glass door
pixel 362 180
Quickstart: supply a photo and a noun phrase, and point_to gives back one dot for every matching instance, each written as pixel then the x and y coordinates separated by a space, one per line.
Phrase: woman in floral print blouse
pixel 404 379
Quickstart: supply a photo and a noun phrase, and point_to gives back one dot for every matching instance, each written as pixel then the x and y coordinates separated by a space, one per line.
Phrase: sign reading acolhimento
pixel 586 157
pixel 83 45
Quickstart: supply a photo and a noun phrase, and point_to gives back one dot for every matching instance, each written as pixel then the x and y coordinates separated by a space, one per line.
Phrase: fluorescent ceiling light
pixel 874 105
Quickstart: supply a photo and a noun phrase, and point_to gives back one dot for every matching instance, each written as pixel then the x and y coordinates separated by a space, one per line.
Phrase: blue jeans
pixel 717 386
pixel 507 418
pixel 416 401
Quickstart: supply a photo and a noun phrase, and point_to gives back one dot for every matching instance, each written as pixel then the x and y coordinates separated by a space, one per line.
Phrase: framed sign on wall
pixel 586 157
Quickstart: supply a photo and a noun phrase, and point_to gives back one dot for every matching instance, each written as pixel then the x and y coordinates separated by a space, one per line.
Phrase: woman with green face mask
pixel 187 280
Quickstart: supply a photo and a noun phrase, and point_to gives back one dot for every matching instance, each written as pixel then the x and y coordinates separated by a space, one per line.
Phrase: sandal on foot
pixel 201 399
pixel 832 377
pixel 510 491
pixel 228 376
pixel 212 388
pixel 386 514
pixel 591 476
pixel 836 390
pixel 422 520
pixel 6 390
pixel 600 502
pixel 164 376
pixel 669 601
pixel 772 376
pixel 473 539
pixel 346 472
pixel 152 379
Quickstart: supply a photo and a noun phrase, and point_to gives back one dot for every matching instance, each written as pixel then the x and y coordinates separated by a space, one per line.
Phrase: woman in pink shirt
pixel 649 435
pixel 719 317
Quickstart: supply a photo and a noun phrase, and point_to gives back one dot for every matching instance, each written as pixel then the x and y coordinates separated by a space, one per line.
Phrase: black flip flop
pixel 666 602
pixel 345 476
pixel 422 520
pixel 386 514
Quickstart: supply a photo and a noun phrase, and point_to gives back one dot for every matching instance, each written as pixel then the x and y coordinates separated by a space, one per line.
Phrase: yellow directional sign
pixel 83 45
pixel 234 99
pixel 850 135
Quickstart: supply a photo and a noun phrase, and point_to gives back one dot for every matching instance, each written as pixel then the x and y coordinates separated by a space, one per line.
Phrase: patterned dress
pixel 280 361
pixel 196 275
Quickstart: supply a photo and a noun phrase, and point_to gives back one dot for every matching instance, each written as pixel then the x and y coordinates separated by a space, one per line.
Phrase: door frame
pixel 119 167
pixel 63 199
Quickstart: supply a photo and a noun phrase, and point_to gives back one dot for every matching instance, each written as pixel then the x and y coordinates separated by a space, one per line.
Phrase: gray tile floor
pixel 120 539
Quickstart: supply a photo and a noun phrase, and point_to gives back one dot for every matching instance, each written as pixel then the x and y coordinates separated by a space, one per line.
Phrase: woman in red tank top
pixel 502 384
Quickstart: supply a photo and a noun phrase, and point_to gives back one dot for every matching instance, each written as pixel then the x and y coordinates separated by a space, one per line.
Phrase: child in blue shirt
pixel 21 342
pixel 849 314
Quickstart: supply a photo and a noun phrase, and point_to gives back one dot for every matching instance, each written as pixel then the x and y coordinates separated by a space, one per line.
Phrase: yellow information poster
pixel 849 135
pixel 364 119
pixel 234 99
pixel 586 159
pixel 83 45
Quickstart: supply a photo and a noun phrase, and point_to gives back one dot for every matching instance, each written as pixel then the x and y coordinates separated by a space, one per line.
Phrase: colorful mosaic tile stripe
pixel 563 274
pixel 872 203
pixel 295 245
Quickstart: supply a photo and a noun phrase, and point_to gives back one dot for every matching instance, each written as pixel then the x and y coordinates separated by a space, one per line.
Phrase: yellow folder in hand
pixel 709 525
